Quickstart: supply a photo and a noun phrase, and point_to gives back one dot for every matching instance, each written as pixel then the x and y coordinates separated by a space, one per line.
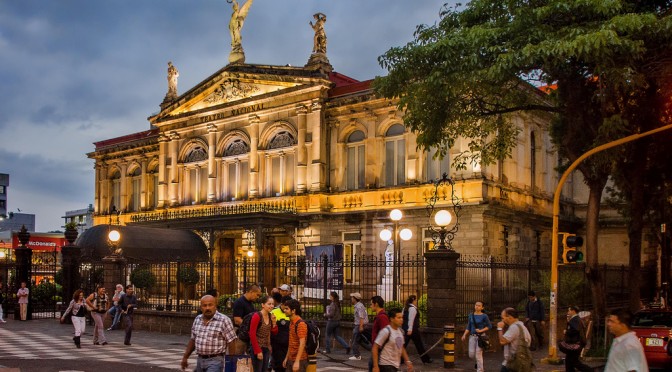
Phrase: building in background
pixel 82 217
pixel 4 184
pixel 12 221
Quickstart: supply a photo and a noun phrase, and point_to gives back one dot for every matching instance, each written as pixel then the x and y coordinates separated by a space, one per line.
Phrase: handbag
pixel 483 341
pixel 566 347
pixel 522 359
pixel 243 365
pixel 483 338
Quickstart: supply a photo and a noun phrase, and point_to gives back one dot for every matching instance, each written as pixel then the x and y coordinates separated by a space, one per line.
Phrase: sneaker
pixel 355 357
pixel 3 321
pixel 109 329
pixel 324 351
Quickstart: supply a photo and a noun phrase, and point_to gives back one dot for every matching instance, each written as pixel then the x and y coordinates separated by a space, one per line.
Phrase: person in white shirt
pixel 626 353
pixel 388 348
pixel 512 338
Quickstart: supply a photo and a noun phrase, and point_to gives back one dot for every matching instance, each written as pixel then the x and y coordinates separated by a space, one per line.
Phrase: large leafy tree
pixel 465 76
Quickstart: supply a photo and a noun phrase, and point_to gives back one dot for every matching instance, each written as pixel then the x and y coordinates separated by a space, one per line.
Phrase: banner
pixel 316 270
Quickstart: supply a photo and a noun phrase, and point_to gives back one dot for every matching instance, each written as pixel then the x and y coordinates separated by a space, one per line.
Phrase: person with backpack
pixel 388 348
pixel 297 357
pixel 516 342
pixel 280 340
pixel 262 324
pixel 98 302
pixel 411 327
pixel 574 341
pixel 379 322
pixel 333 316
pixel 477 326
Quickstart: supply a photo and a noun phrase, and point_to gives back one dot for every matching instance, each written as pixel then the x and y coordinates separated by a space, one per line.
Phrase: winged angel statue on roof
pixel 235 26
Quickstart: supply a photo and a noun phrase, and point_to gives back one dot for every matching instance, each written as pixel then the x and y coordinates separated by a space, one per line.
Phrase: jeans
pixel 537 333
pixel 115 313
pixel 257 364
pixel 354 344
pixel 98 329
pixel 476 352
pixel 79 322
pixel 1 315
pixel 129 328
pixel 215 364
pixel 333 331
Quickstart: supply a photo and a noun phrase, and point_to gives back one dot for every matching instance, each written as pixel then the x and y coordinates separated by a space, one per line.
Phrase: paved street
pixel 46 346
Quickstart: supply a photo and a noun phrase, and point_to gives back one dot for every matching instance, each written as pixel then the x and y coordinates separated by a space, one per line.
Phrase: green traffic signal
pixel 570 243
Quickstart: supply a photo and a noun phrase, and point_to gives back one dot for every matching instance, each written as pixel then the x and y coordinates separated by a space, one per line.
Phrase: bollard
pixel 312 363
pixel 449 346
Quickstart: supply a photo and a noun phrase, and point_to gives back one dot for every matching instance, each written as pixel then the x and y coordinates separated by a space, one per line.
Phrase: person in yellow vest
pixel 280 340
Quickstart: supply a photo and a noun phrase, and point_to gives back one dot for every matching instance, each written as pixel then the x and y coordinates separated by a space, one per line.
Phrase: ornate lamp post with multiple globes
pixel 386 235
pixel 442 235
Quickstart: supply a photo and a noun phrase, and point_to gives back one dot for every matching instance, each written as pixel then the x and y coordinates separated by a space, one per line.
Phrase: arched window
pixel 280 165
pixel 434 167
pixel 134 200
pixel 236 171
pixel 355 175
pixel 395 156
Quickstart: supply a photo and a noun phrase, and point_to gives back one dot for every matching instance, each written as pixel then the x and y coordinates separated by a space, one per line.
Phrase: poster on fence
pixel 316 270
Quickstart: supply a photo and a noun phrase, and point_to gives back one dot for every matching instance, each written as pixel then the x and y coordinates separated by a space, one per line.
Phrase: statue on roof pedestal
pixel 318 59
pixel 238 16
pixel 173 74
pixel 320 38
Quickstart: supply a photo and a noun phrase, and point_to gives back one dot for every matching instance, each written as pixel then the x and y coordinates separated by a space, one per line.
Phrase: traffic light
pixel 570 243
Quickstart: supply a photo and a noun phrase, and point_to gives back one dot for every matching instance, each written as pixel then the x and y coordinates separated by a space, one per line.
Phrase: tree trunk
pixel 595 277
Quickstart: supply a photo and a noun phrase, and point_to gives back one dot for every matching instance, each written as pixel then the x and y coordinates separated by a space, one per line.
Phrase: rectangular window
pixel 155 190
pixel 395 162
pixel 355 168
pixel 135 200
pixel 116 194
pixel 275 176
pixel 435 168
pixel 190 195
pixel 2 190
pixel 288 174
pixel 243 177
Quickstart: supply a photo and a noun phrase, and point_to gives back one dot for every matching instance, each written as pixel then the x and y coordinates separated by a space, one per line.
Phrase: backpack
pixel 243 331
pixel 313 339
pixel 522 359
pixel 389 335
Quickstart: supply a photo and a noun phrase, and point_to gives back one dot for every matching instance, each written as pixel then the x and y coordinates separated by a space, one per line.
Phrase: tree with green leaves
pixel 482 63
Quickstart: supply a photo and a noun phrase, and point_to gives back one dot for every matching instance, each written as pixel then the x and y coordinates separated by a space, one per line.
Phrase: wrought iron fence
pixel 499 283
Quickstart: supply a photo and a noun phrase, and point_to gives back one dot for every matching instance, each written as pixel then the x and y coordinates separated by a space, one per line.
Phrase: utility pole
pixel 552 340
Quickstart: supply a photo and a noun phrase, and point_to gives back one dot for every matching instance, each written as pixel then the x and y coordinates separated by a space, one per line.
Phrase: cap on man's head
pixel 356 295
pixel 285 287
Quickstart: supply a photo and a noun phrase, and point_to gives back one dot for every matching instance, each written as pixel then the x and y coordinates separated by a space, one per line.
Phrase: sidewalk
pixel 492 360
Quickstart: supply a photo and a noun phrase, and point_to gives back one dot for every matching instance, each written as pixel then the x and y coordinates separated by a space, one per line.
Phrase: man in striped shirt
pixel 297 358
pixel 211 334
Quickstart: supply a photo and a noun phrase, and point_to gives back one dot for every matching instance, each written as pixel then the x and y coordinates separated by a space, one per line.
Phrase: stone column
pixel 317 166
pixel 163 183
pixel 173 178
pixel 71 258
pixel 254 158
pixel 301 161
pixel 97 189
pixel 114 270
pixel 212 170
pixel 24 268
pixel 441 283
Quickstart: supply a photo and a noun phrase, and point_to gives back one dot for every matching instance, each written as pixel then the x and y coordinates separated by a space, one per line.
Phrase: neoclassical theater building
pixel 269 159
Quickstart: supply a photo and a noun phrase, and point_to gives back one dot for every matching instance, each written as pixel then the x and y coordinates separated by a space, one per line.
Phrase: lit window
pixel 355 175
pixel 395 156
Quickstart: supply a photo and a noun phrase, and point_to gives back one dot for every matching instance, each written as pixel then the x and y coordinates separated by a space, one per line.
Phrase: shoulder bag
pixel 521 361
pixel 483 338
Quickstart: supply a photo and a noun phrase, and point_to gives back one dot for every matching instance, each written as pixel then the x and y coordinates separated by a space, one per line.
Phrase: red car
pixel 654 329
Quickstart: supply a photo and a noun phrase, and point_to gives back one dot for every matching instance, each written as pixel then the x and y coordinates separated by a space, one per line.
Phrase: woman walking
pixel 333 316
pixel 99 302
pixel 262 325
pixel 77 311
pixel 478 324
pixel 411 327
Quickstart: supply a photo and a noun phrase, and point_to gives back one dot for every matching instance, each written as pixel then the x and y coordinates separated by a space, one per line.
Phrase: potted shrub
pixel 143 279
pixel 188 276
pixel 71 232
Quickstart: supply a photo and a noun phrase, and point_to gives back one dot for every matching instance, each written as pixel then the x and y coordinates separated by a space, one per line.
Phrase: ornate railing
pixel 273 206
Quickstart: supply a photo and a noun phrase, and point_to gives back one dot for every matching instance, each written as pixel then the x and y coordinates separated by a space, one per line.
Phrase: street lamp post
pixel 442 236
pixel 385 235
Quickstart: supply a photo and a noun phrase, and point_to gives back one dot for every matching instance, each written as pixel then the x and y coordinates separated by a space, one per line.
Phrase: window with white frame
pixel 435 167
pixel 356 161
pixel 135 176
pixel 352 245
pixel 280 165
pixel 236 171
pixel 395 156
